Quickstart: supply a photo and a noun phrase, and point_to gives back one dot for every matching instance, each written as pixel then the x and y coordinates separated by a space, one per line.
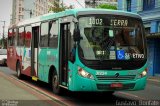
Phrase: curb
pixel 154 80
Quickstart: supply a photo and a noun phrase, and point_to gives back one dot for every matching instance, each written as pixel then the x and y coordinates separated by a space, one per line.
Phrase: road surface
pixel 82 98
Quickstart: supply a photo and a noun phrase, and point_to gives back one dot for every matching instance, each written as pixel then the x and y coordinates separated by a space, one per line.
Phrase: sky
pixel 5 12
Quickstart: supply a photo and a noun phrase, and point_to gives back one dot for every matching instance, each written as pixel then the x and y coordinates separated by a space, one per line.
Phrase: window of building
pixel 128 5
pixel 21 36
pixel 28 36
pixel 148 4
pixel 20 8
pixel 21 17
pixel 44 34
pixel 53 32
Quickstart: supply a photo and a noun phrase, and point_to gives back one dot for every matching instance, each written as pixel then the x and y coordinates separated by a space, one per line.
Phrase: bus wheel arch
pixel 54 80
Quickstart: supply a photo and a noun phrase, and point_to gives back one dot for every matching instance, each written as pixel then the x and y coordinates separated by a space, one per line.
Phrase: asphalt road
pixel 91 99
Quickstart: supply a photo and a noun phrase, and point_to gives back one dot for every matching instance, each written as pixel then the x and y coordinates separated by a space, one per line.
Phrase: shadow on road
pixel 81 98
pixel 2 65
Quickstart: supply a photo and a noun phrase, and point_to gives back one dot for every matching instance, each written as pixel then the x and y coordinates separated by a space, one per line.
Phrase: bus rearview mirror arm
pixel 76 35
pixel 75 20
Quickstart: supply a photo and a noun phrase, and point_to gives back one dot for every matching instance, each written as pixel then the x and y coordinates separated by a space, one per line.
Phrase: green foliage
pixel 107 6
pixel 59 7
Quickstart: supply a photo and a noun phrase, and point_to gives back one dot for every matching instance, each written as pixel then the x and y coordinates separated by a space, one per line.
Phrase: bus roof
pixel 76 12
pixel 85 11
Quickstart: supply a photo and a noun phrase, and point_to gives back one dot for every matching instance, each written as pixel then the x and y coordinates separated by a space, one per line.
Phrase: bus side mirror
pixel 75 20
pixel 76 35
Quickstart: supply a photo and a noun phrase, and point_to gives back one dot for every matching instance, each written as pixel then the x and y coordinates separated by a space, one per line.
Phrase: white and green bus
pixel 81 50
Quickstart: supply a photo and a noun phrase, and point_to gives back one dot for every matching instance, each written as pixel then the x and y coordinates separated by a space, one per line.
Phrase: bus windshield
pixel 111 38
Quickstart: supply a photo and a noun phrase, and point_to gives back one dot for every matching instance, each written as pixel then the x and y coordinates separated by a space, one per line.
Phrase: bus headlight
pixel 144 73
pixel 84 74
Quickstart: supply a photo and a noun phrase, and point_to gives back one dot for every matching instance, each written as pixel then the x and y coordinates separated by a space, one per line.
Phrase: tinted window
pixel 21 36
pixel 14 35
pixel 11 37
pixel 53 40
pixel 44 35
pixel 111 38
pixel 10 42
pixel 28 36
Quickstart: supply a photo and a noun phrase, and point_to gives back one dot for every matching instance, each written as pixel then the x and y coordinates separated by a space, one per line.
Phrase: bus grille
pixel 107 87
pixel 121 77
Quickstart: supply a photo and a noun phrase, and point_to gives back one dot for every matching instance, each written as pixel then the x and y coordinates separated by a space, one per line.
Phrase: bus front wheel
pixel 18 69
pixel 55 84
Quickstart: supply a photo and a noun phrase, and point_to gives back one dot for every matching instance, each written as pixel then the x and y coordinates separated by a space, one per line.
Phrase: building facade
pixel 24 9
pixel 17 13
pixel 95 3
pixel 149 10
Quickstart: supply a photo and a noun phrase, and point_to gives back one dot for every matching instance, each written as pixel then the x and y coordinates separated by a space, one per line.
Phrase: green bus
pixel 81 50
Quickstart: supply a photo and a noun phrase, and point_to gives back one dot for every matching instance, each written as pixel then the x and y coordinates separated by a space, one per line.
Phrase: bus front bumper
pixel 84 84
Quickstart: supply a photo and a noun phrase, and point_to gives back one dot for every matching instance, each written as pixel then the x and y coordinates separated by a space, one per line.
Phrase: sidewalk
pixel 14 93
pixel 154 78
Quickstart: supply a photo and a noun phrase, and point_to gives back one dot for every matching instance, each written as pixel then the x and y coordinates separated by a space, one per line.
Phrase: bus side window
pixel 53 34
pixel 44 34
pixel 14 36
pixel 10 34
pixel 71 43
pixel 11 37
pixel 28 35
pixel 21 35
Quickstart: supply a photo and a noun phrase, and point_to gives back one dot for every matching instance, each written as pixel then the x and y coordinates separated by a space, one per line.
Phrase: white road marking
pixel 131 95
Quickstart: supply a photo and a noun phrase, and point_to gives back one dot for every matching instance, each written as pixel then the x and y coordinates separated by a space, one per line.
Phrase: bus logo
pixel 117 75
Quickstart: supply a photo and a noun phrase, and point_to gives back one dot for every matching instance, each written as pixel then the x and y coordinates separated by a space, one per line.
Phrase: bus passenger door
pixel 65 28
pixel 34 52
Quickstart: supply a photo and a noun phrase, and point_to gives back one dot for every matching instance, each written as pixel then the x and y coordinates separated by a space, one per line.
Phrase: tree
pixel 107 6
pixel 59 7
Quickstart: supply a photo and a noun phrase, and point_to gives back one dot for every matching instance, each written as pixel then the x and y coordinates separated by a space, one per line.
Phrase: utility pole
pixel 3 32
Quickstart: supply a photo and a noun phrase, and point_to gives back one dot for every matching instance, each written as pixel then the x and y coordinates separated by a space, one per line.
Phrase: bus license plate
pixel 116 85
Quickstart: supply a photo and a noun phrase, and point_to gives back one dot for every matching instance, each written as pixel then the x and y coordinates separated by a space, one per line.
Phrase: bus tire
pixel 55 84
pixel 18 70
